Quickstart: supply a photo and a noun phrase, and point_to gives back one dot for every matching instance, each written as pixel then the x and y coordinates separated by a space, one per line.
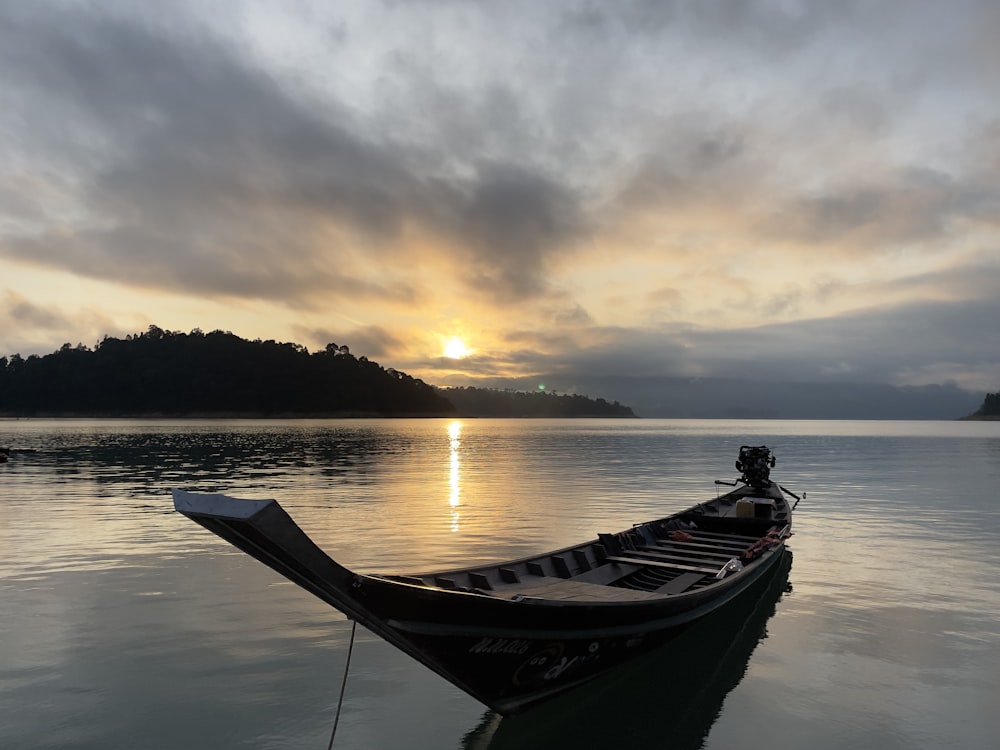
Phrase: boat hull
pixel 514 666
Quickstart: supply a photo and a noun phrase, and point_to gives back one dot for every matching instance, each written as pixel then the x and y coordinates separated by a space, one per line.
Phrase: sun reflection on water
pixel 455 473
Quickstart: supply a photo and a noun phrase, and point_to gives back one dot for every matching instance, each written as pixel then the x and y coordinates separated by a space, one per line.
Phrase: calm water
pixel 124 625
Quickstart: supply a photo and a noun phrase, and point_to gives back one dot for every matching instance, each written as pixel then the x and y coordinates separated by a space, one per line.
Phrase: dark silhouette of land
pixel 990 410
pixel 739 398
pixel 485 402
pixel 218 374
pixel 166 373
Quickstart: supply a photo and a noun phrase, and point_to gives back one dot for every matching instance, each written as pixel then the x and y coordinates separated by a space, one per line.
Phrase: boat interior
pixel 675 555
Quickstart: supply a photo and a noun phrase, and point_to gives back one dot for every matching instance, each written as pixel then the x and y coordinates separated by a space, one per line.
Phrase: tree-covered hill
pixel 484 402
pixel 173 374
pixel 990 408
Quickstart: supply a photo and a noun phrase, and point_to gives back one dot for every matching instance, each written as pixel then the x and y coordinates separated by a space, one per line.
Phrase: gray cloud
pixel 915 205
pixel 874 346
pixel 370 341
pixel 209 175
pixel 32 328
pixel 22 313
pixel 513 219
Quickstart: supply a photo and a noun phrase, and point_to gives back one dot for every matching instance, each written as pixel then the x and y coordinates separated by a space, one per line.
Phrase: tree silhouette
pixel 990 407
pixel 172 373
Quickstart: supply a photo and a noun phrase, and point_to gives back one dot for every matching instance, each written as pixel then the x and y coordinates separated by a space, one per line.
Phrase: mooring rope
pixel 343 686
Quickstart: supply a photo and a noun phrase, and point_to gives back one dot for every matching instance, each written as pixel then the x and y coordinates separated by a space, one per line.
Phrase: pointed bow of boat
pixel 263 529
pixel 199 505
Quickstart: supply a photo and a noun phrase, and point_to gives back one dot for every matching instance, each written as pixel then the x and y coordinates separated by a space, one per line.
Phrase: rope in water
pixel 343 685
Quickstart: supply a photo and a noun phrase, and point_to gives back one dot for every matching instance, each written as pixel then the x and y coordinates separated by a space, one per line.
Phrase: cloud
pixel 209 175
pixel 373 342
pixel 513 220
pixel 20 312
pixel 689 187
pixel 909 206
pixel 31 328
pixel 873 346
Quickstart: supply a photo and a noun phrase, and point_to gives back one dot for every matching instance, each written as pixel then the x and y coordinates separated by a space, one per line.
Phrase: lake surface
pixel 124 625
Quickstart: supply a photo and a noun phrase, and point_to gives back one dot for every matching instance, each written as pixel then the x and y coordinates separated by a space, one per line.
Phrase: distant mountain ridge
pixel 734 398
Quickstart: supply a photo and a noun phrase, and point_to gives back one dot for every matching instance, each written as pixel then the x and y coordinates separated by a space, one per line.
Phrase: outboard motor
pixel 755 463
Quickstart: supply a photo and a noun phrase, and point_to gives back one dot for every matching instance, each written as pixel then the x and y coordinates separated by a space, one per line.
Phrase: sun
pixel 455 348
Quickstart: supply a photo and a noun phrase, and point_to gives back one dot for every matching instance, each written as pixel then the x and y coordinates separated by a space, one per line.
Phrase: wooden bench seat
pixel 636 559
pixel 680 584
pixel 605 574
pixel 562 589
pixel 689 554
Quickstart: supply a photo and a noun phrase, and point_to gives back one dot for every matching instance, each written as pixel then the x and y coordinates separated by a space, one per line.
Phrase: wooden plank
pixel 660 564
pixel 675 558
pixel 561 589
pixel 717 544
pixel 688 553
pixel 707 546
pixel 661 555
pixel 700 549
pixel 720 535
pixel 605 574
pixel 681 583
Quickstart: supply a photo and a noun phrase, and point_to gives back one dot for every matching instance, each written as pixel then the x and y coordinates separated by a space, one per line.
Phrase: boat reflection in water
pixel 670 698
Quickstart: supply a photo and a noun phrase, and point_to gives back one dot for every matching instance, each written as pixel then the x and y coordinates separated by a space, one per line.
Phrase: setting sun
pixel 456 348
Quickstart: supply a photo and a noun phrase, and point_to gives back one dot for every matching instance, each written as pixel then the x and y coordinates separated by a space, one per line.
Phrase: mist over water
pixel 124 625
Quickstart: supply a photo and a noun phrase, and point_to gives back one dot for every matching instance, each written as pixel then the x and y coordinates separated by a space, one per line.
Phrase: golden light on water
pixel 455 473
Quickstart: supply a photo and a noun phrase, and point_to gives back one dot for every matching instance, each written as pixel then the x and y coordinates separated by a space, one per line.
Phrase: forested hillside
pixel 174 374
pixel 990 408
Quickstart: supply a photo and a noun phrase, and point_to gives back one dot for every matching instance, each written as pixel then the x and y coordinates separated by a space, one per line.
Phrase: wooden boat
pixel 516 633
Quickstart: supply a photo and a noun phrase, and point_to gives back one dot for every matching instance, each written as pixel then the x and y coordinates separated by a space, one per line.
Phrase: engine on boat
pixel 755 463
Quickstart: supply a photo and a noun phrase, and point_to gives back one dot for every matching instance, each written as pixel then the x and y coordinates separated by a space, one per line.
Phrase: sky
pixel 807 191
